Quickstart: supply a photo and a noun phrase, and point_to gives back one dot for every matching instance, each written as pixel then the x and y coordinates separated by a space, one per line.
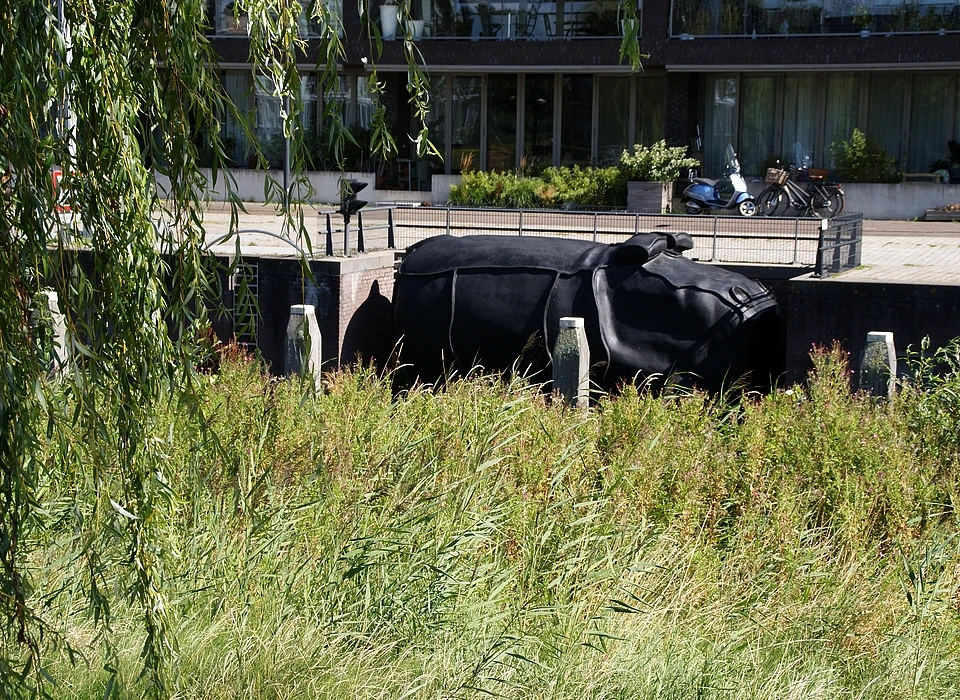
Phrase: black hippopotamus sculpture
pixel 496 302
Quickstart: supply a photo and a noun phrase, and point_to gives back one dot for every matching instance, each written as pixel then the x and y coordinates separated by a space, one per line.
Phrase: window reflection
pixel 465 123
pixel 501 122
pixel 538 122
pixel 575 119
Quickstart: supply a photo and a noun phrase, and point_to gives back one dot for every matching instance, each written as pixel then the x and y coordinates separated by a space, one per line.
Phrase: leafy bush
pixel 496 189
pixel 556 187
pixel 861 159
pixel 587 186
pixel 656 163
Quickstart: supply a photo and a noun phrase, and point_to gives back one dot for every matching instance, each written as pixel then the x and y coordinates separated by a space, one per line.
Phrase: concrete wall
pixel 907 200
pixel 249 187
pixel 902 201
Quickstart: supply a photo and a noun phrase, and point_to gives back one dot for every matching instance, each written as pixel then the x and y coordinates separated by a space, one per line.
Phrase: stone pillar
pixel 878 370
pixel 54 342
pixel 302 357
pixel 571 363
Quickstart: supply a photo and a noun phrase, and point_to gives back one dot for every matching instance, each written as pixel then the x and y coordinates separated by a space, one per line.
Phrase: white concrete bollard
pixel 303 343
pixel 571 363
pixel 57 348
pixel 878 369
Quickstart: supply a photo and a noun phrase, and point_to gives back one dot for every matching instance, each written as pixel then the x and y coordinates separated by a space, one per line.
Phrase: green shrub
pixel 494 189
pixel 587 186
pixel 861 159
pixel 557 186
pixel 656 163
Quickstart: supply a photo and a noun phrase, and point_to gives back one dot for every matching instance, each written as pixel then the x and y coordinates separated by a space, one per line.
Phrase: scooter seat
pixel 705 181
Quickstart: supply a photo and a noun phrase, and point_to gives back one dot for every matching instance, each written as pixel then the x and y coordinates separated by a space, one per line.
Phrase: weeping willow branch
pixel 111 93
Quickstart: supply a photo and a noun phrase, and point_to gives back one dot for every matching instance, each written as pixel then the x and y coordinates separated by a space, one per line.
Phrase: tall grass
pixel 487 542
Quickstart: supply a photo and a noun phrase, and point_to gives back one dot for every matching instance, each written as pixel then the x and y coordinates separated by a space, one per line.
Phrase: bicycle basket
pixel 775 176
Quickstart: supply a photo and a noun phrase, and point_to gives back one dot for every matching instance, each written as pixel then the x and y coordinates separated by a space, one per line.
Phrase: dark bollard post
pixel 391 243
pixel 360 232
pixel 571 363
pixel 329 237
pixel 878 369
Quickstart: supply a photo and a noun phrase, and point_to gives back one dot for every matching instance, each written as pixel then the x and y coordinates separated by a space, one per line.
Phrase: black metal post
pixel 818 267
pixel 360 232
pixel 329 237
pixel 391 241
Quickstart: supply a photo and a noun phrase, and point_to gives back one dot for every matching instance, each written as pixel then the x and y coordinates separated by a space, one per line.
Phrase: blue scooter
pixel 706 195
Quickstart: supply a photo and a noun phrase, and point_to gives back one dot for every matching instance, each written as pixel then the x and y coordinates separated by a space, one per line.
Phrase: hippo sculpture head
pixel 496 302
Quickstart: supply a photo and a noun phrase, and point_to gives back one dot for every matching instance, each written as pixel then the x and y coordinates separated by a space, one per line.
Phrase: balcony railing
pixel 691 18
pixel 227 19
pixel 516 19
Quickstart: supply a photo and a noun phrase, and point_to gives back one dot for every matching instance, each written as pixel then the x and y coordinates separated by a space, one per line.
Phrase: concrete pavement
pixel 910 252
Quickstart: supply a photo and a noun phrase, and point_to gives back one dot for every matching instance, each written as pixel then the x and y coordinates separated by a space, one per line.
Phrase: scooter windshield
pixel 732 158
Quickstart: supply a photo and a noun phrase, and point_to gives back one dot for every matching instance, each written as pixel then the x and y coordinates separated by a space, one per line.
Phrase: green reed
pixel 486 541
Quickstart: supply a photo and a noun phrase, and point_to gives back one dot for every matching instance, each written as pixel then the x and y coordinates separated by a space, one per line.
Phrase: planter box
pixel 934 215
pixel 649 197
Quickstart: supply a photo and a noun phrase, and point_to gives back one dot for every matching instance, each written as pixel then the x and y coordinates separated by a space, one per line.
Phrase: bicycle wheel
pixel 827 201
pixel 773 201
pixel 836 192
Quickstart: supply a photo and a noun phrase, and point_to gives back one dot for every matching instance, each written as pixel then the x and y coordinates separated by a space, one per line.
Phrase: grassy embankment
pixel 484 541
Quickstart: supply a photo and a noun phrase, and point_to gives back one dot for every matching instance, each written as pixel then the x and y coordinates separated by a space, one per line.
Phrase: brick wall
pixel 352 297
pixel 819 312
pixel 357 313
pixel 680 108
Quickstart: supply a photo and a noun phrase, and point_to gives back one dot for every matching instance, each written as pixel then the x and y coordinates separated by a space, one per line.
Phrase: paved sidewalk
pixel 908 252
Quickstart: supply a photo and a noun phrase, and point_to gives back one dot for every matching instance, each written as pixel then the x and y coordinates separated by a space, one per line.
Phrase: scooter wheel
pixel 692 209
pixel 747 207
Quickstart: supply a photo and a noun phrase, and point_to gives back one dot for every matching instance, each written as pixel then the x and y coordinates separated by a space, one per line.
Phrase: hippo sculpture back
pixel 496 302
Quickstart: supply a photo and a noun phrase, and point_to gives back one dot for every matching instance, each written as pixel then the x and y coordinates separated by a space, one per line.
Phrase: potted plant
pixel 389 19
pixel 650 172
pixel 863 19
pixel 415 28
pixel 234 18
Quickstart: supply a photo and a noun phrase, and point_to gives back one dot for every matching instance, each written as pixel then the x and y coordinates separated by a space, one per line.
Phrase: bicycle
pixel 819 199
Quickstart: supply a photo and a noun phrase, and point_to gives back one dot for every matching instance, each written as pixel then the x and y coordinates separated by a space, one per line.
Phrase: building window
pixel 239 87
pixel 720 117
pixel 843 106
pixel 651 110
pixel 758 116
pixel 884 123
pixel 801 111
pixel 538 121
pixel 501 122
pixel 613 128
pixel 437 123
pixel 576 119
pixel 465 123
pixel 928 121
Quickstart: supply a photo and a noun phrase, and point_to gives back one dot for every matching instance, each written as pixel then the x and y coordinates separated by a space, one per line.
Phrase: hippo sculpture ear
pixel 640 249
pixel 679 241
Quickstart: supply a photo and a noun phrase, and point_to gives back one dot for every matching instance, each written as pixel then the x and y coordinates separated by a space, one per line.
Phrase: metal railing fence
pixel 800 242
pixel 840 245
